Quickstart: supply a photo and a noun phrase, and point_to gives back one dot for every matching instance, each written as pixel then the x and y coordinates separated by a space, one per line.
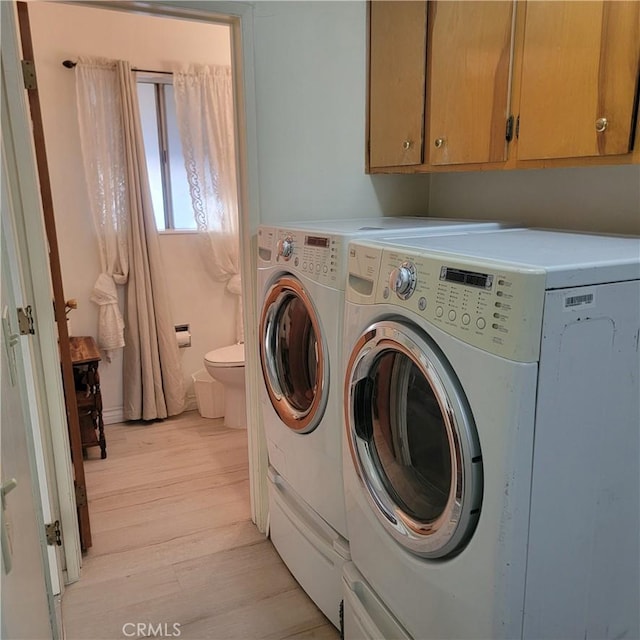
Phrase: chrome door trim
pixel 451 530
pixel 295 419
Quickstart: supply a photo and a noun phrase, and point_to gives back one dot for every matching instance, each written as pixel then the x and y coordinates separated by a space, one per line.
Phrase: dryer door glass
pixel 292 356
pixel 410 445
pixel 413 440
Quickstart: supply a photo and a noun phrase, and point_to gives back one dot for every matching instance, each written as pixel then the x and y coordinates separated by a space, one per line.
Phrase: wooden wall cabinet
pixel 397 64
pixel 459 85
pixel 579 79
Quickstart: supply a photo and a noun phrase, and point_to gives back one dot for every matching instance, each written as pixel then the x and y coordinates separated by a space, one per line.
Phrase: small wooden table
pixel 85 357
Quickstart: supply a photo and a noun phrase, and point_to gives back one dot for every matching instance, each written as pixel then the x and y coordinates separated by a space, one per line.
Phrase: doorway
pixel 75 230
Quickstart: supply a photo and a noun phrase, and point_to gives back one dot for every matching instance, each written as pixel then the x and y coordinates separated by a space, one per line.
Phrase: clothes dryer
pixel 301 283
pixel 491 463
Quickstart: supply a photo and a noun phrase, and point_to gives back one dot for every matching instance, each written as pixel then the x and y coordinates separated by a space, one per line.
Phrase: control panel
pixel 493 306
pixel 315 256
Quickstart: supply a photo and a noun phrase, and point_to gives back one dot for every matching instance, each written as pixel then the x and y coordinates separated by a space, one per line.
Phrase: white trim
pixel 35 265
pixel 113 416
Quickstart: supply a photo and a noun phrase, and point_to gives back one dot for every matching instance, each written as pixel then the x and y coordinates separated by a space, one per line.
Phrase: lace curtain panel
pixel 119 188
pixel 205 112
pixel 99 113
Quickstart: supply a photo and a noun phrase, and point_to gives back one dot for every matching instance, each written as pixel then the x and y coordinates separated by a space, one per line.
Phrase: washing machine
pixel 301 284
pixel 491 456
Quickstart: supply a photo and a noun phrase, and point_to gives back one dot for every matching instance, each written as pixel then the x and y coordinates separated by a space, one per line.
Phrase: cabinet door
pixel 470 51
pixel 397 52
pixel 579 78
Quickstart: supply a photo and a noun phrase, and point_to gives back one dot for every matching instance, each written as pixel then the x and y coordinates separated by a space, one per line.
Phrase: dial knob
pixel 402 280
pixel 285 247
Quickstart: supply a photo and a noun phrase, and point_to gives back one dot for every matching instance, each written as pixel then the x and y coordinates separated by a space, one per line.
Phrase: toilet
pixel 226 365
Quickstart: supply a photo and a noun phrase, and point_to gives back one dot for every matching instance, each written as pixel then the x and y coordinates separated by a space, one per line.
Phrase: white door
pixel 26 604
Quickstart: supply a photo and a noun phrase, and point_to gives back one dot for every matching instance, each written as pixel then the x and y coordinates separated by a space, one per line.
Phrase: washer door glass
pixel 413 440
pixel 293 356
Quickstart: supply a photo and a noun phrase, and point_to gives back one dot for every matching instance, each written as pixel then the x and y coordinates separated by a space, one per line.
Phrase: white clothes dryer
pixel 491 463
pixel 301 284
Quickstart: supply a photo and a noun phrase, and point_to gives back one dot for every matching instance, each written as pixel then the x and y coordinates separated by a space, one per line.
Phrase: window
pixel 165 162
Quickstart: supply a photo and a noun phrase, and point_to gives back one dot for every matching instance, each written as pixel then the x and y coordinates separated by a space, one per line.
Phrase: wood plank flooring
pixel 173 543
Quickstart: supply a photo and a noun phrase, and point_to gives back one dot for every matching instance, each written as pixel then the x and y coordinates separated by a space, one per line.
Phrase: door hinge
pixel 29 75
pixel 509 132
pixel 53 533
pixel 81 495
pixel 25 321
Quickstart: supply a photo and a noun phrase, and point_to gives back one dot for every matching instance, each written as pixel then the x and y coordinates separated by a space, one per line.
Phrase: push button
pixel 481 323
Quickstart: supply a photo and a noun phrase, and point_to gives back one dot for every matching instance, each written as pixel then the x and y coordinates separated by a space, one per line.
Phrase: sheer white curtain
pixel 99 117
pixel 119 189
pixel 205 112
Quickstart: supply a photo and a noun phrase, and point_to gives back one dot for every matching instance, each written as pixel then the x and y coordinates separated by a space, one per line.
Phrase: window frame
pixel 159 81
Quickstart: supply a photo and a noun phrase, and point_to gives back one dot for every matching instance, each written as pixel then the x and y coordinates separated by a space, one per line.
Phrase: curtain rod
pixel 70 64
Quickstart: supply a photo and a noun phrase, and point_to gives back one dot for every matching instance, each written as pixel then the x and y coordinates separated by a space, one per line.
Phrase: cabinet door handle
pixel 406 145
pixel 601 124
pixel 438 142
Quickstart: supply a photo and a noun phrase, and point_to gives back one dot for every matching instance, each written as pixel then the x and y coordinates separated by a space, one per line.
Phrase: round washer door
pixel 413 440
pixel 293 355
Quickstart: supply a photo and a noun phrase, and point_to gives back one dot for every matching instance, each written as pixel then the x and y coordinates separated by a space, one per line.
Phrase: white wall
pixel 63 31
pixel 310 68
pixel 595 199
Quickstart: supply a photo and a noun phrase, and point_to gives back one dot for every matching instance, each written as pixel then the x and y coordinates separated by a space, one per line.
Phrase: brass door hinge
pixel 53 533
pixel 29 75
pixel 81 495
pixel 25 321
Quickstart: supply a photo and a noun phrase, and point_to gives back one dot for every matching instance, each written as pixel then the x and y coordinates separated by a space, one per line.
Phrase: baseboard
pixel 116 415
pixel 190 403
pixel 113 416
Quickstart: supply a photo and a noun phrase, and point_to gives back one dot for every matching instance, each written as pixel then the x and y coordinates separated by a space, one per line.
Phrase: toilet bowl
pixel 226 365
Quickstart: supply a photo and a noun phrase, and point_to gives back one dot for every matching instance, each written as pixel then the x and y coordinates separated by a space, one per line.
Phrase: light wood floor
pixel 173 542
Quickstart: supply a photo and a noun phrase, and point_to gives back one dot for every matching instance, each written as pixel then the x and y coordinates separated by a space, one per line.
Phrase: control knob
pixel 285 247
pixel 402 280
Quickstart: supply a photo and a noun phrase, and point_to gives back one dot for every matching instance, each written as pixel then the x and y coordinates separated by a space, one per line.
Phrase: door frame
pixel 239 16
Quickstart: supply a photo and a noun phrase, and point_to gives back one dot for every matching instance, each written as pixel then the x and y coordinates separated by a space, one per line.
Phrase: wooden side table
pixel 85 357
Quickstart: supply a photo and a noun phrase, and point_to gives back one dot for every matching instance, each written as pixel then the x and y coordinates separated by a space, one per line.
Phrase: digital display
pixel 470 278
pixel 317 241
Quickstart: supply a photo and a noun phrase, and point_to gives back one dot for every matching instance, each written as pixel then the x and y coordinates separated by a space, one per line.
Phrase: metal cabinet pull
pixel 601 124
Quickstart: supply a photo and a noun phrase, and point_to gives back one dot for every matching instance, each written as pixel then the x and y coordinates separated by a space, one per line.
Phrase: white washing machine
pixel 492 437
pixel 301 283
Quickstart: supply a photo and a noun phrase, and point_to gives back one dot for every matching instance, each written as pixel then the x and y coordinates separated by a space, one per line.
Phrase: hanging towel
pixel 110 322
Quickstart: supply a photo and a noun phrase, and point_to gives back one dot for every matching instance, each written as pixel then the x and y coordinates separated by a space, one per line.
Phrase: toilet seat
pixel 232 356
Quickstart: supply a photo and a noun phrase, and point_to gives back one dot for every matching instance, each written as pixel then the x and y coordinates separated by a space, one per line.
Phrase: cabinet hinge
pixel 25 321
pixel 509 132
pixel 518 127
pixel 53 533
pixel 29 75
pixel 81 495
